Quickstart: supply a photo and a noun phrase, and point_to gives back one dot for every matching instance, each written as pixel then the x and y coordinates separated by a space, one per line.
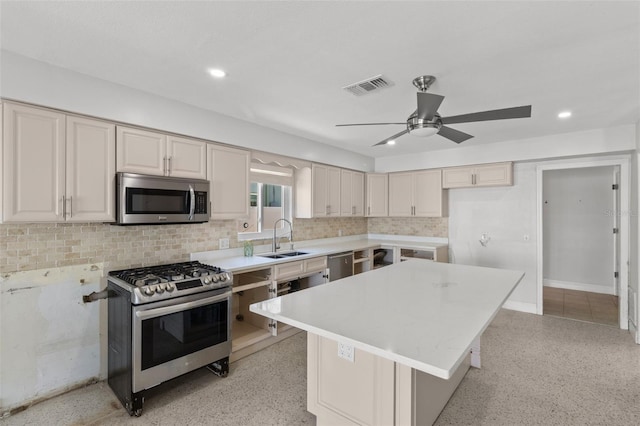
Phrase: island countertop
pixel 425 315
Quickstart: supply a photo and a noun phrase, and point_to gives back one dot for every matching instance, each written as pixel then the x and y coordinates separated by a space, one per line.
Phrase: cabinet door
pixel 494 174
pixel 228 172
pixel 319 190
pixel 429 198
pixel 377 194
pixel 346 204
pixel 91 168
pixel 333 191
pixel 457 177
pixel 33 164
pixel 401 194
pixel 186 158
pixel 357 193
pixel 140 151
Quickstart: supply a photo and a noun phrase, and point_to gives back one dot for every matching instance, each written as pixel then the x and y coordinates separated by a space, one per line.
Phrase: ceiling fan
pixel 426 121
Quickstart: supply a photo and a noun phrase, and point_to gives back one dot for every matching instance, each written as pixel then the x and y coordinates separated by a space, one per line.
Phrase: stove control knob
pixel 226 276
pixel 170 287
pixel 158 289
pixel 207 280
pixel 214 278
pixel 149 290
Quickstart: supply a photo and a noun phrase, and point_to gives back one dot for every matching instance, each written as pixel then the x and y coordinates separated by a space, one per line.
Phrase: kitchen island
pixel 390 346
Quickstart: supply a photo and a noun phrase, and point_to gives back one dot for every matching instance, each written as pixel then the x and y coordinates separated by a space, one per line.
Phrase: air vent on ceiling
pixel 369 85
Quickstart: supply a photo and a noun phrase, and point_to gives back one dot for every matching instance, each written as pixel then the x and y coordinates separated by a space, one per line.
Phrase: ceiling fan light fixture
pixel 423 132
pixel 391 142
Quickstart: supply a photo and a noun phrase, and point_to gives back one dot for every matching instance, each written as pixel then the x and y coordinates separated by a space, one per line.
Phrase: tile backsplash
pixel 25 247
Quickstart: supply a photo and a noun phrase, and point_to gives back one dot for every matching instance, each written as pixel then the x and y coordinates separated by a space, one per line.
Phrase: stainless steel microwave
pixel 144 199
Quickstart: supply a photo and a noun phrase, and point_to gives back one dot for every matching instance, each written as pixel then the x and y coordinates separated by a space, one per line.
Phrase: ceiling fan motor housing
pixel 414 123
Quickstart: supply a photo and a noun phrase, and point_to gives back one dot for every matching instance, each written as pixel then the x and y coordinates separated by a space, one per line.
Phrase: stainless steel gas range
pixel 165 321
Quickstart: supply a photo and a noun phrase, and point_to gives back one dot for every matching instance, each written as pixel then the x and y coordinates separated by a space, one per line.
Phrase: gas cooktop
pixel 151 283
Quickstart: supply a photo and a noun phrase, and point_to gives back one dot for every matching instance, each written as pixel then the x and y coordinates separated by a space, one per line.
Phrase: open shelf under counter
pixel 246 334
pixel 243 281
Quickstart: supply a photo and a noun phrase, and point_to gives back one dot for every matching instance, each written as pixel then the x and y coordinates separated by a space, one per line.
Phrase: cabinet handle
pixel 64 207
pixel 70 206
pixel 164 166
pixel 368 210
pixel 473 179
pixel 169 168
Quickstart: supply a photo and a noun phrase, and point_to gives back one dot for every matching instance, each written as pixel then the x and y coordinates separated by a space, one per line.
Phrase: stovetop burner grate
pixel 165 273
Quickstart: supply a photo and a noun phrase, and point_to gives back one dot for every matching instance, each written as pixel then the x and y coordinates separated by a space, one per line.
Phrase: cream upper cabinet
pixel 496 174
pixel 56 167
pixel 377 195
pixel 228 173
pixel 153 153
pixel 186 158
pixel 91 170
pixel 141 151
pixel 325 190
pixel 351 193
pixel 418 194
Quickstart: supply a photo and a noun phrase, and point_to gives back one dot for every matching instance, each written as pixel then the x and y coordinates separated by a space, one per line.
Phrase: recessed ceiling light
pixel 564 114
pixel 215 72
pixel 391 142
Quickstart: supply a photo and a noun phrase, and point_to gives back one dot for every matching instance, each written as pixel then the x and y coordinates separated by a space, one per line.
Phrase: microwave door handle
pixel 192 207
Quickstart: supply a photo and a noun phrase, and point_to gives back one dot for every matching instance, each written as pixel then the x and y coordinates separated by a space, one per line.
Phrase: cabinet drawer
pixel 315 264
pixel 288 269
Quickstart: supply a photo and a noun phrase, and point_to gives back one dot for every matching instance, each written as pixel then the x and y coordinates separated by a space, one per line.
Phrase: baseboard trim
pixel 513 305
pixel 568 285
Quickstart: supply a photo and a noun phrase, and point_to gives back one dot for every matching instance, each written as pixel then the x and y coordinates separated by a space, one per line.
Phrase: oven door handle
pixel 192 207
pixel 167 310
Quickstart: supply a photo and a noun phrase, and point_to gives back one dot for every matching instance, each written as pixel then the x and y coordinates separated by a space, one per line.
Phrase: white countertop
pixel 233 261
pixel 422 314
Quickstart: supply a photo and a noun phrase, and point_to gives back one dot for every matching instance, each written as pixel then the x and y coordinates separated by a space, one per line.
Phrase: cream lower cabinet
pixel 417 194
pixel 252 332
pixel 153 153
pixel 495 174
pixel 56 167
pixel 228 173
pixel 371 390
pixel 377 190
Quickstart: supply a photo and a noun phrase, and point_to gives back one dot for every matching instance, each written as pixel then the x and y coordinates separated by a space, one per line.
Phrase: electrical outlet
pixel 346 351
pixel 339 232
pixel 223 243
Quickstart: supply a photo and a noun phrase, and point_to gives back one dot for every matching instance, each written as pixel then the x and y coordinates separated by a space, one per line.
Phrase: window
pixel 270 199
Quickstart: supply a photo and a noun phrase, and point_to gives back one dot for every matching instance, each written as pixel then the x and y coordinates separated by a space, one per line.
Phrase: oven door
pixel 175 336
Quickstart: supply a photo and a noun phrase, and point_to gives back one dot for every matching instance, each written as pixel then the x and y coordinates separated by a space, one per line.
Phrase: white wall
pixel 508 216
pixel 27 80
pixel 578 218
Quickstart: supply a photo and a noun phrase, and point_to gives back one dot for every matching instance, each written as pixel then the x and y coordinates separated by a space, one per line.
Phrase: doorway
pixel 580 237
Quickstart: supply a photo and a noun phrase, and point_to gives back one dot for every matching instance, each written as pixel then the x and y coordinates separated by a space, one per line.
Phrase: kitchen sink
pixel 272 256
pixel 283 255
pixel 292 253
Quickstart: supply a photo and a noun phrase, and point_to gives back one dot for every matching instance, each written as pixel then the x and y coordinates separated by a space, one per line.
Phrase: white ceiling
pixel 287 61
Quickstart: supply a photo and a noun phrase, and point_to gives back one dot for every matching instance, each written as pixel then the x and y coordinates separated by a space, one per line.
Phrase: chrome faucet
pixel 275 246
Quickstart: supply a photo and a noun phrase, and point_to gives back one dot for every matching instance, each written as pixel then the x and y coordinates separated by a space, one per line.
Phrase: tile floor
pixel 581 305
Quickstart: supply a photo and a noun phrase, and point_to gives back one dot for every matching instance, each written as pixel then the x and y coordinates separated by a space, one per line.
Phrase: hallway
pixel 581 305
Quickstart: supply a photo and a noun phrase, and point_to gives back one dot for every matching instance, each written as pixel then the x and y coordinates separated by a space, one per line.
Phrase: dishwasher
pixel 340 265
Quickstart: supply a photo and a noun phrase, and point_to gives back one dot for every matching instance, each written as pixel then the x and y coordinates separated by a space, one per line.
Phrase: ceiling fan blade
pixel 428 105
pixel 392 137
pixel 368 124
pixel 452 134
pixel 496 114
